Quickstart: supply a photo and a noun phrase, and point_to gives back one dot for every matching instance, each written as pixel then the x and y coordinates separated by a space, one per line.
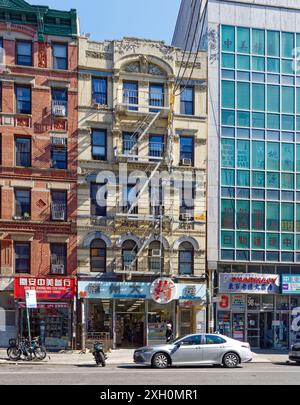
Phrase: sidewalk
pixel 125 356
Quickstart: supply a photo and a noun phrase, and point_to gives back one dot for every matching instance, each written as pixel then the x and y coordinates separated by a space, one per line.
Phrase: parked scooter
pixel 99 355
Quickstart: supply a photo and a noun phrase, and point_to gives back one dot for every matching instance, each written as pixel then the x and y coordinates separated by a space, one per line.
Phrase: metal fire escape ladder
pixel 143 129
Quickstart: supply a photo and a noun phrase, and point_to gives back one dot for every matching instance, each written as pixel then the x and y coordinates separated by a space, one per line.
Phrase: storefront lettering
pixel 115 289
pixel 135 288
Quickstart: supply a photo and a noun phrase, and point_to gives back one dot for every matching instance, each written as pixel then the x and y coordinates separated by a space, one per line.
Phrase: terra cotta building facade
pixel 125 90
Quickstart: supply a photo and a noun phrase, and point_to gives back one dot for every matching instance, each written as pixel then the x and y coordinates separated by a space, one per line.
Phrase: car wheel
pixel 231 360
pixel 160 360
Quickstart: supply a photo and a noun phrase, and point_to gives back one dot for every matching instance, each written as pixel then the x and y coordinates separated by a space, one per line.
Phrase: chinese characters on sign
pixel 249 283
pixel 290 284
pixel 47 288
pixel 161 289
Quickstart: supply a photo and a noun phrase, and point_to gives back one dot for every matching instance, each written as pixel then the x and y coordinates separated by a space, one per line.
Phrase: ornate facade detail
pixel 133 67
pixel 42 55
pixel 98 55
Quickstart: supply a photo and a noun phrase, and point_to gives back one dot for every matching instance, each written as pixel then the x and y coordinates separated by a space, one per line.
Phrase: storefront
pixel 7 311
pixel 250 308
pixel 53 318
pixel 130 314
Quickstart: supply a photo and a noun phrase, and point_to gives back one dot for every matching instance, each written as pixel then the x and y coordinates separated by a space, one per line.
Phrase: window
pixel 60 56
pixel 187 200
pixel 156 199
pixel 129 198
pixel 24 53
pixel 130 145
pixel 156 146
pixel 23 151
pixel 187 149
pixel 0 91
pixel 214 340
pixel 98 256
pixel 156 96
pixel 186 258
pixel 191 340
pixel 131 95
pixel 58 258
pixel 22 257
pixel 98 199
pixel 99 90
pixel 59 102
pixel 59 205
pixel 99 144
pixel 156 257
pixel 23 100
pixel 2 61
pixel 129 252
pixel 22 204
pixel 59 153
pixel 187 101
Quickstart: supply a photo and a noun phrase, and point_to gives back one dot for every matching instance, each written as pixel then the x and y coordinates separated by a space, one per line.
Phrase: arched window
pixel 98 256
pixel 156 257
pixel 186 258
pixel 129 252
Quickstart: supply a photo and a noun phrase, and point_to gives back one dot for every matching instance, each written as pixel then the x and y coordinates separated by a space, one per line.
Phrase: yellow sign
pixel 200 217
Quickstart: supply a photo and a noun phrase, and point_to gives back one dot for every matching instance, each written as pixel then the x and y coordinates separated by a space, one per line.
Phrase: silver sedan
pixel 202 349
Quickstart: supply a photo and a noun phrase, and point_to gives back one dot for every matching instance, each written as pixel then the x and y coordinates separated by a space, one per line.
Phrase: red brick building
pixel 38 166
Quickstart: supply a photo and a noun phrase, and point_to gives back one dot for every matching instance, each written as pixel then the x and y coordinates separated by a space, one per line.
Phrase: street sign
pixel 31 299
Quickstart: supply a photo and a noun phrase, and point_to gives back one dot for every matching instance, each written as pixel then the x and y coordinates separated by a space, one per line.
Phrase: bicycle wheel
pixel 40 353
pixel 14 353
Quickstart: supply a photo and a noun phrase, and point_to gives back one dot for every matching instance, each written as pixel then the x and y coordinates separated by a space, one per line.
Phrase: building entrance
pixel 130 323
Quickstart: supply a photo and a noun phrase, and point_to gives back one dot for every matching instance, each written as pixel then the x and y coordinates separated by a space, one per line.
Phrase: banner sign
pixel 131 290
pixel 47 288
pixel 290 284
pixel 249 283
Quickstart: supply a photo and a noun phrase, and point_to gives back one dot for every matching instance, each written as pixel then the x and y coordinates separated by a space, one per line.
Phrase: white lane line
pixel 253 372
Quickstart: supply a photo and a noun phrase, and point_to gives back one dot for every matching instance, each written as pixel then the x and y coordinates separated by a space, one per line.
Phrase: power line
pixel 196 56
pixel 178 83
pixel 189 30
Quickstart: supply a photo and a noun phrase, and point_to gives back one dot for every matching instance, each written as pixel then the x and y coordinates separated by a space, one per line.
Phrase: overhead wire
pixel 178 82
pixel 189 30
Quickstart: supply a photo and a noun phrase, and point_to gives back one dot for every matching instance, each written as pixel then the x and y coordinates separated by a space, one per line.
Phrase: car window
pixel 214 340
pixel 191 340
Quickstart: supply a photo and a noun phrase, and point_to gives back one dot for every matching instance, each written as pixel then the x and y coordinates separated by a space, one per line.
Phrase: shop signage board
pixel 248 283
pixel 238 302
pixel 163 290
pixel 131 290
pixel 30 296
pixel 290 284
pixel 224 302
pixel 47 288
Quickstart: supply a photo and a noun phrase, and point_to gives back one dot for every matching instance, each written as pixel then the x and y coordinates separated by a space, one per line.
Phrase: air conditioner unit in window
pixel 58 269
pixel 156 253
pixel 59 110
pixel 186 162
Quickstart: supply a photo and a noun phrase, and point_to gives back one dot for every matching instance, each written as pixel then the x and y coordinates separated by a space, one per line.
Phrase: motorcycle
pixel 99 355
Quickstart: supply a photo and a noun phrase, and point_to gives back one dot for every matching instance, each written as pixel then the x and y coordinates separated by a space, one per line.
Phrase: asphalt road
pixel 248 374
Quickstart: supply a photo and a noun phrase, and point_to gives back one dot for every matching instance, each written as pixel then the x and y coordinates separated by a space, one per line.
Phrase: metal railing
pixel 136 100
pixel 58 212
pixel 59 108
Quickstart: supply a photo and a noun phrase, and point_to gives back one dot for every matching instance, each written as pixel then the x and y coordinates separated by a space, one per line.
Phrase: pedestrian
pixel 169 331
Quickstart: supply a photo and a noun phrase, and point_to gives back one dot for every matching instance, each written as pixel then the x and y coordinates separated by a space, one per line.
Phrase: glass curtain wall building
pixel 253 188
pixel 260 146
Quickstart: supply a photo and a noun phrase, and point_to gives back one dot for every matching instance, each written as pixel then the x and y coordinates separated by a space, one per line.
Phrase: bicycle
pixel 26 349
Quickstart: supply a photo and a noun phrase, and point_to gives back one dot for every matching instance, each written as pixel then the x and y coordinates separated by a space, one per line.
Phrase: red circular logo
pixel 163 290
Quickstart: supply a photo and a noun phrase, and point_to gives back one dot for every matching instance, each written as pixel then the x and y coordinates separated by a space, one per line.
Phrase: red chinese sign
pixel 47 288
pixel 163 290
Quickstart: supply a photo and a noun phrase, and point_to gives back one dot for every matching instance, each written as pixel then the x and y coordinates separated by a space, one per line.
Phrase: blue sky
pixel 113 19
